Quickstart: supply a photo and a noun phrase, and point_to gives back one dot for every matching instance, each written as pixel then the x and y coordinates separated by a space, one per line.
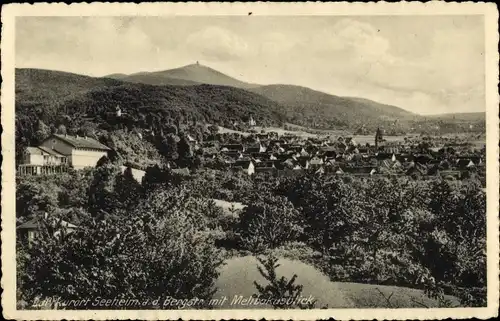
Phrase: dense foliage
pixel 427 234
pixel 128 244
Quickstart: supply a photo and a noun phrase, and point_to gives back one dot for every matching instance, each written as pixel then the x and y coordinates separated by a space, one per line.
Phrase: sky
pixel 424 64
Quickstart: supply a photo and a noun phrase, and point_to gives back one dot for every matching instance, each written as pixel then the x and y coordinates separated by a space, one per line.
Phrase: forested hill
pixel 302 105
pixel 58 98
pixel 52 93
pixel 306 106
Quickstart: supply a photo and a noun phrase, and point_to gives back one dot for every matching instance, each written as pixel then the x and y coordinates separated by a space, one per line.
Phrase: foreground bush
pixel 269 222
pixel 155 251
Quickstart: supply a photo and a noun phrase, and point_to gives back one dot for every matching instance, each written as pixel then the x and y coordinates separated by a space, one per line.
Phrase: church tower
pixel 378 137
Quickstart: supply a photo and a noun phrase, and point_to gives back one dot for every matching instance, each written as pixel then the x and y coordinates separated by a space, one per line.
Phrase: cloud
pixel 82 44
pixel 371 57
pixel 216 43
pixel 351 40
pixel 275 43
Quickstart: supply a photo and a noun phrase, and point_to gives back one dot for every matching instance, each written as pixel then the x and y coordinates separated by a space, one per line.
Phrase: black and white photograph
pixel 250 161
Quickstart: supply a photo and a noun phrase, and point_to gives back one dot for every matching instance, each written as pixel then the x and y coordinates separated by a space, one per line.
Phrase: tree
pixel 160 249
pixel 171 129
pixel 213 129
pixel 184 148
pixel 42 132
pixel 34 198
pixel 102 196
pixel 61 129
pixel 75 187
pixel 129 191
pixel 280 292
pixel 103 161
pixel 169 146
pixel 268 222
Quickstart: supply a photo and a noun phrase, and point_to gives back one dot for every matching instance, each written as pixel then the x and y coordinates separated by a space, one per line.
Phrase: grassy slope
pixel 238 274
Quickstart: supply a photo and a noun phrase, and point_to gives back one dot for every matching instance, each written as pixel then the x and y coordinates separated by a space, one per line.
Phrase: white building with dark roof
pixel 81 151
pixel 60 151
pixel 43 156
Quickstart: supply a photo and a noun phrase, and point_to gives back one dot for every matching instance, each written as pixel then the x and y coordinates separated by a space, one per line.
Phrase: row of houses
pixel 344 156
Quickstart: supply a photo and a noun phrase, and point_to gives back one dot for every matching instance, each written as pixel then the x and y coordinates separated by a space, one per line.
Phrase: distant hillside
pixel 58 98
pixel 308 107
pixel 303 106
pixel 40 85
pixel 188 75
pixel 480 116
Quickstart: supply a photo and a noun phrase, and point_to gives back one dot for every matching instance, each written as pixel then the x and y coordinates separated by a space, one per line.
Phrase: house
pixel 405 157
pixel 295 148
pixel 290 163
pixel 328 151
pixel 251 122
pixel 245 165
pixel 320 170
pixel 464 163
pixel 392 149
pixel 257 148
pixel 29 230
pixel 338 170
pixel 266 163
pixel 180 171
pixel 80 152
pixel 266 169
pixel 137 174
pixel 382 156
pixel 43 156
pixel 417 170
pixel 290 172
pixel 423 158
pixel 316 162
pixel 360 170
pixel 232 148
pixel 303 162
pixel 450 174
pixel 234 154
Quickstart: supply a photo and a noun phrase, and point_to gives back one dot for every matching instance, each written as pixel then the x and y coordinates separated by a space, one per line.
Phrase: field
pixel 228 207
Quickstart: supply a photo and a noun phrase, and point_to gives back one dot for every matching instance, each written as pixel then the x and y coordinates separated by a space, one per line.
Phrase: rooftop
pixel 82 142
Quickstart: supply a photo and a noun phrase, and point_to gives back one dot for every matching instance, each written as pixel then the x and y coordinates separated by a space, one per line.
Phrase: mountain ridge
pixel 306 106
pixel 192 74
